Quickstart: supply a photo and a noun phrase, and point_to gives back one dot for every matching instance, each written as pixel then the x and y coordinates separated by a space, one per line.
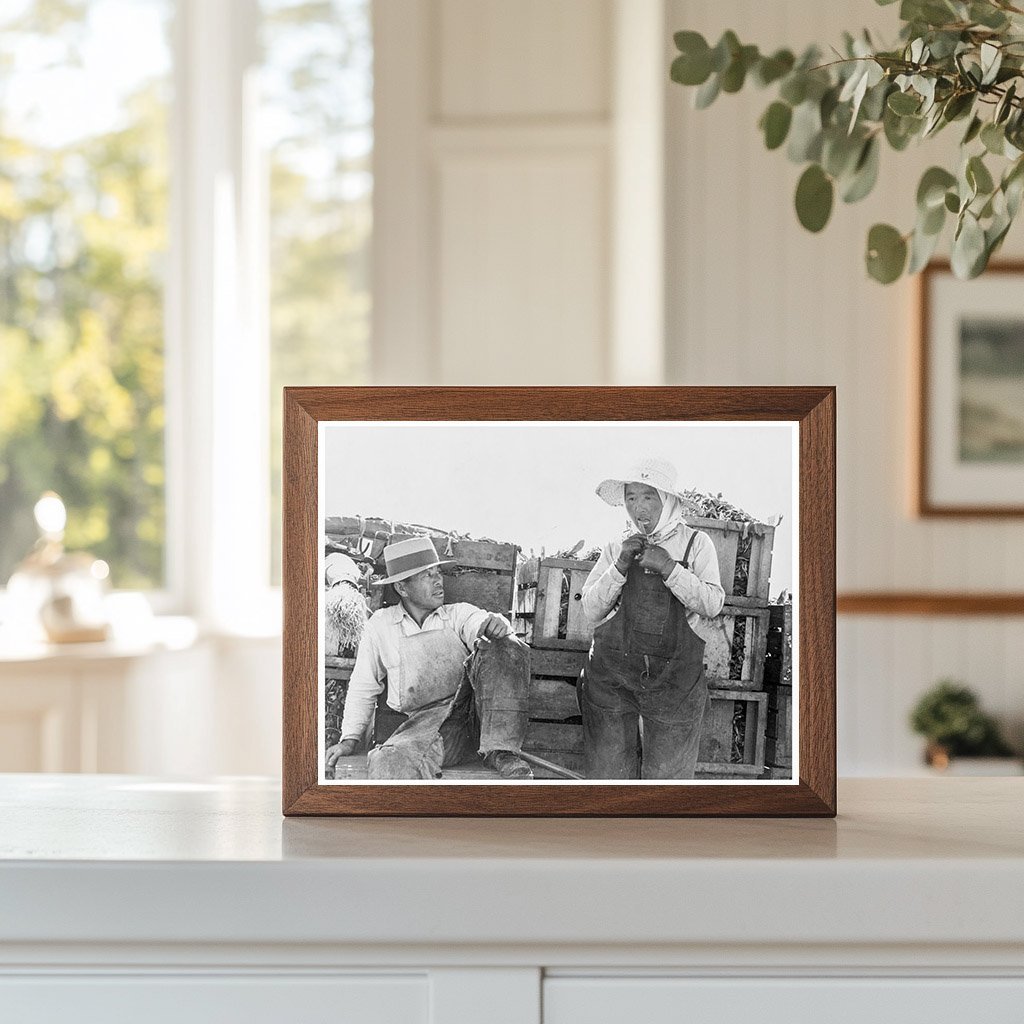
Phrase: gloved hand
pixel 657 559
pixel 631 547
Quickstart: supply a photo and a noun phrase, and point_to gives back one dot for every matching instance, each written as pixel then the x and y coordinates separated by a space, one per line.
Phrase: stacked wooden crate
pixel 778 684
pixel 733 740
pixel 733 744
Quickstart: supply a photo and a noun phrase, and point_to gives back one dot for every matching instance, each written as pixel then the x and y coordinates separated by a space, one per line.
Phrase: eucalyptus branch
pixel 833 117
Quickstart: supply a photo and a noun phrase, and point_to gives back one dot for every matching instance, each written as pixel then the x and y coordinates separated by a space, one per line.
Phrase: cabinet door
pixel 206 999
pixel 654 1000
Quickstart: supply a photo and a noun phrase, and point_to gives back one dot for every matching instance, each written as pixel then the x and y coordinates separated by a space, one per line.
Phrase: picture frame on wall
pixel 970 384
pixel 559 601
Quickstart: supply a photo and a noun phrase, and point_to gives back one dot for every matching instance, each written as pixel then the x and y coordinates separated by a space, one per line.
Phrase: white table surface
pixel 125 859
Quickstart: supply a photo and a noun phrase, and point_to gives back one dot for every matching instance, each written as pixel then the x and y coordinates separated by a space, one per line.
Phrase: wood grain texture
pixel 925 603
pixel 923 504
pixel 812 407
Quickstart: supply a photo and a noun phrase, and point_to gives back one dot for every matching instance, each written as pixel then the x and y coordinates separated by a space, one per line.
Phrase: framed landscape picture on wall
pixel 970 445
pixel 574 601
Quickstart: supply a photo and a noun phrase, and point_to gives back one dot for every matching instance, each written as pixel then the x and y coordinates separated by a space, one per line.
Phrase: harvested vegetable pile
pixel 345 615
pixel 709 506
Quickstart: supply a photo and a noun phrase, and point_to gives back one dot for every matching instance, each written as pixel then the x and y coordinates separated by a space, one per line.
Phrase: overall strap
pixel 689 547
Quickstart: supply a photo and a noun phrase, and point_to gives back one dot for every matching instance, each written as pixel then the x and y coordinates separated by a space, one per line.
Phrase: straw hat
pixel 657 473
pixel 405 558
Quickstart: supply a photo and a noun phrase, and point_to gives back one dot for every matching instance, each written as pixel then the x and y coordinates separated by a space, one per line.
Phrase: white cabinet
pixel 132 898
pixel 823 1000
pixel 202 999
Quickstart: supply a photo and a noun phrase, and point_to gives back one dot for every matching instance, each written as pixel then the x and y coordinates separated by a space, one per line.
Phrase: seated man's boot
pixel 508 764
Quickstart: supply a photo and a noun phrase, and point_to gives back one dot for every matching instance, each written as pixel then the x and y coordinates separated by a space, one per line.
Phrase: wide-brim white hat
pixel 657 473
pixel 405 558
pixel 339 568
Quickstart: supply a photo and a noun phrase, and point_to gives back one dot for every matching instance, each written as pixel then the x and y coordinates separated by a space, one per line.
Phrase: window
pixel 130 199
pixel 83 238
pixel 317 116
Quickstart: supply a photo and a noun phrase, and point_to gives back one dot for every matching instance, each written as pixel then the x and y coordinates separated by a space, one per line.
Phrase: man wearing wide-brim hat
pixel 457 671
pixel 643 692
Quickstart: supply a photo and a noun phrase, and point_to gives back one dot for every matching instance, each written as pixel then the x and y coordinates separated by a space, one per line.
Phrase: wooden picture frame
pixel 960 470
pixel 810 410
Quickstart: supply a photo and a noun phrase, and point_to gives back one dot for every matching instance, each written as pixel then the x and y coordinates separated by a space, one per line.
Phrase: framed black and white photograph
pixel 559 601
pixel 970 452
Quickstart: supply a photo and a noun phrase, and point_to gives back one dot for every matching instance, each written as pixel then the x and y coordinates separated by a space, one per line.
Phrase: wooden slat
pixel 489 590
pixel 553 662
pixel 760 575
pixel 333 661
pixel 541 736
pixel 555 644
pixel 553 698
pixel 569 563
pixel 549 597
pixel 480 554
pixel 718 635
pixel 578 626
pixel 716 735
pixel 712 770
pixel 726 547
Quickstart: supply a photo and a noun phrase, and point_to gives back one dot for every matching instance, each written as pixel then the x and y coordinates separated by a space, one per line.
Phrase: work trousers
pixel 489 711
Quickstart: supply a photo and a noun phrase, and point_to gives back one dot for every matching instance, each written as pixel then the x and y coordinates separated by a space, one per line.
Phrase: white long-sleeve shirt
pixel 699 589
pixel 377 660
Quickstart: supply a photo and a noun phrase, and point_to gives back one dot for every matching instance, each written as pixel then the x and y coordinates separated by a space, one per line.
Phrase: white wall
pixel 752 298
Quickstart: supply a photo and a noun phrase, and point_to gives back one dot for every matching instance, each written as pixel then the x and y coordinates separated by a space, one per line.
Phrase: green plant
pixel 949 716
pixel 956 61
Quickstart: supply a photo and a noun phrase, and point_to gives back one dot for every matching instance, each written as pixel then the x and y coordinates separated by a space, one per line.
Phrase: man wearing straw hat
pixel 457 671
pixel 645 672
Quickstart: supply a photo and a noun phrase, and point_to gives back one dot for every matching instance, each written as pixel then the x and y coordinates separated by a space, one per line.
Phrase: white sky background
pixel 533 484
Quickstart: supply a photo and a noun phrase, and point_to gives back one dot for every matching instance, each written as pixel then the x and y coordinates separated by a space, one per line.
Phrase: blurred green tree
pixel 82 233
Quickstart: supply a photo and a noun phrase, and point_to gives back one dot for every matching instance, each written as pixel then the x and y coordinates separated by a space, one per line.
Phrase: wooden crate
pixel 734 646
pixel 558 623
pixel 744 556
pixel 717 738
pixel 778 666
pixel 779 738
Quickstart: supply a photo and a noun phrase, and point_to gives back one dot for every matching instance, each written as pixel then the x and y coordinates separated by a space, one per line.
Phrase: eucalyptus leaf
pixel 968 247
pixel 725 50
pixel 805 133
pixel 932 221
pixel 931 190
pixel 886 253
pixel 865 173
pixel 972 131
pixel 958 105
pixel 1004 106
pixel 794 88
pixel 693 65
pixel 978 176
pixel 922 248
pixel 987 15
pixel 814 194
pixel 707 93
pixel 839 152
pixel 952 202
pixel 991 60
pixel 775 124
pixel 903 103
pixel 771 69
pixel 993 138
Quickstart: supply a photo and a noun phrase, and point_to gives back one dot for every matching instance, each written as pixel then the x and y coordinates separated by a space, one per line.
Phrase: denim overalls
pixel 644 694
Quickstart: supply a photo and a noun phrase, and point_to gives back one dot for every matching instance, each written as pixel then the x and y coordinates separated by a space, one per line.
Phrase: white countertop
pixel 123 859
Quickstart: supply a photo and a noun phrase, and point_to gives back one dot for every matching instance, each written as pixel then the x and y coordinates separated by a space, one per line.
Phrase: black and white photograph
pixel 557 603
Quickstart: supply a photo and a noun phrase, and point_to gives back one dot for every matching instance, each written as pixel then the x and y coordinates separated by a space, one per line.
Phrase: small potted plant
pixel 950 717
